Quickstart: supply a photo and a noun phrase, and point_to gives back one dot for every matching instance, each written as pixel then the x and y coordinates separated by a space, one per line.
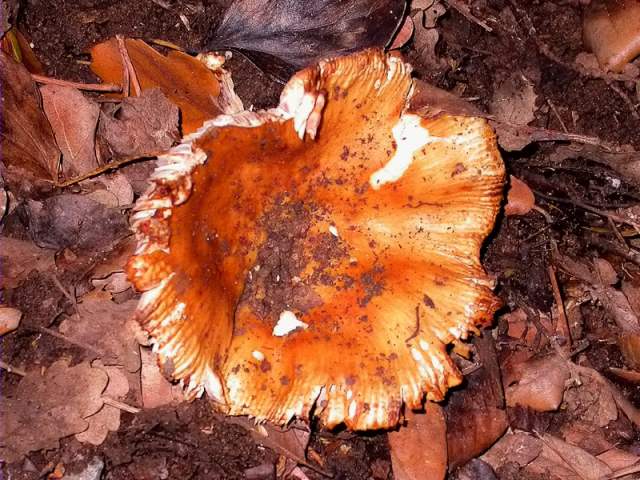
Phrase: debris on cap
pixel 249 293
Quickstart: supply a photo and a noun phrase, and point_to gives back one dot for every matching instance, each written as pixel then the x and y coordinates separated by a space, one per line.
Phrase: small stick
pixel 112 402
pixel 85 346
pixel 94 87
pixel 12 369
pixel 466 13
pixel 131 77
pixel 557 115
pixel 106 167
pixel 559 302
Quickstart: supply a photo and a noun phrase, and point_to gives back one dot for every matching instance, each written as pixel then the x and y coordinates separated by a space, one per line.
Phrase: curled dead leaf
pixel 9 319
pixel 520 198
pixel 611 30
pixel 29 151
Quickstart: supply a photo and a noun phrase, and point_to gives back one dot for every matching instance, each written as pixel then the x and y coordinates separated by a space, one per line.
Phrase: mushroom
pixel 611 30
pixel 317 258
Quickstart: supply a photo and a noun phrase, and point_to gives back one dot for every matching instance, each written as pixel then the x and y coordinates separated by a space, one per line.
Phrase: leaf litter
pixel 565 416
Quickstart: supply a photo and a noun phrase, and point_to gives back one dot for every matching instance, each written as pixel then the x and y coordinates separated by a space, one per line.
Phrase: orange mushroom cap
pixel 317 258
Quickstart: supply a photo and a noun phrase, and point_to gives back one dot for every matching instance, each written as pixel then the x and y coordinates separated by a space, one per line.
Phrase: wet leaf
pixel 183 79
pixel 9 319
pixel 74 119
pixel 139 125
pixel 404 35
pixel 57 402
pixel 537 384
pixel 568 461
pixel 108 327
pixel 76 222
pixel 517 447
pixel 419 449
pixel 611 30
pixel 520 198
pixel 29 151
pixel 299 33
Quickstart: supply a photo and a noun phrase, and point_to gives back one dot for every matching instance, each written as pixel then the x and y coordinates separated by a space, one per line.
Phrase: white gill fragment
pixel 333 230
pixel 287 323
pixel 409 136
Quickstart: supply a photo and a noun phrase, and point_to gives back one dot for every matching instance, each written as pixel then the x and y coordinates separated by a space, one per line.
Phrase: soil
pixel 191 442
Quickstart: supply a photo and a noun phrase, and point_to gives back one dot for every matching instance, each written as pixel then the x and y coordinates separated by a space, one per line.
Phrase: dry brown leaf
pixel 591 403
pixel 617 459
pixel 426 36
pixel 74 119
pixel 537 384
pixel 520 198
pixel 419 450
pixel 157 391
pixel 139 125
pixel 185 80
pixel 29 151
pixel 57 403
pixel 107 419
pixel 108 327
pixel 517 447
pixel 9 319
pixel 514 101
pixel 18 258
pixel 76 222
pixel 567 461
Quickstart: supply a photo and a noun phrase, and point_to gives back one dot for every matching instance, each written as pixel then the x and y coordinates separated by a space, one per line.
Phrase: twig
pixel 11 369
pixel 106 167
pixel 557 115
pixel 94 87
pixel 65 292
pixel 71 341
pixel 119 405
pixel 466 13
pixel 559 302
pixel 129 73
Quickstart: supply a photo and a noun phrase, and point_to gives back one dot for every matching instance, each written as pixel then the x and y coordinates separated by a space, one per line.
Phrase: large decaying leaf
pixel 199 92
pixel 29 152
pixel 56 404
pixel 74 119
pixel 302 32
pixel 320 256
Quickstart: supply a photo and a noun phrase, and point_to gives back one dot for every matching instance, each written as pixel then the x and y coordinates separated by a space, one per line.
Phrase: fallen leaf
pixel 139 126
pixel 299 33
pixel 404 34
pixel 20 257
pixel 200 93
pixel 107 419
pixel 74 119
pixel 476 417
pixel 537 384
pixel 108 327
pixel 57 402
pixel 113 190
pixel 567 461
pixel 617 459
pixel 426 34
pixel 29 151
pixel 75 222
pixel 419 449
pixel 157 391
pixel 520 198
pixel 518 447
pixel 9 319
pixel 514 101
pixel 611 29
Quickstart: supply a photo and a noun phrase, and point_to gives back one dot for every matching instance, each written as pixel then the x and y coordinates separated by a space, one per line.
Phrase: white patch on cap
pixel 287 323
pixel 333 230
pixel 409 136
pixel 258 355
